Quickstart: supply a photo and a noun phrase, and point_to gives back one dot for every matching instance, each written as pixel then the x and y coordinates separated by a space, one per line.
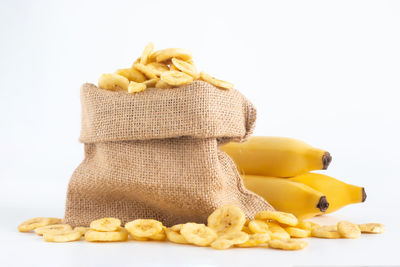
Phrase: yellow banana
pixel 338 193
pixel 276 156
pixel 288 196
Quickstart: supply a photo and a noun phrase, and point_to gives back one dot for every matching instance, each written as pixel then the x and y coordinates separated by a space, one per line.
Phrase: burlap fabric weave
pixel 155 155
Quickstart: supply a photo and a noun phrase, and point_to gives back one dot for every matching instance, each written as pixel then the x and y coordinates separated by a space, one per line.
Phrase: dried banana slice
pixel 173 67
pixel 60 237
pixel 247 230
pixel 55 228
pixel 255 240
pixel 135 87
pixel 279 216
pixel 176 78
pixel 287 244
pixel 304 225
pixel 97 236
pixel 81 229
pixel 159 236
pixel 175 237
pixel 106 224
pixel 158 68
pixel 348 230
pixel 148 50
pixel 113 81
pixel 325 231
pixel 226 219
pixel 166 54
pixel 372 228
pixel 162 85
pixel 185 67
pixel 146 70
pixel 37 222
pixel 198 234
pixel 228 240
pixel 151 82
pixel 214 81
pixel 144 227
pixel 297 232
pixel 132 74
pixel 258 227
pixel 277 232
pixel 313 225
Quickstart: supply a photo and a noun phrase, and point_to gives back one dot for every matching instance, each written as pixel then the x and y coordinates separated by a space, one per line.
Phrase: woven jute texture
pixel 155 155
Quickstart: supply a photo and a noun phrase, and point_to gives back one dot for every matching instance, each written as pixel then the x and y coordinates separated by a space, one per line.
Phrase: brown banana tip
pixel 326 160
pixel 323 204
pixel 364 195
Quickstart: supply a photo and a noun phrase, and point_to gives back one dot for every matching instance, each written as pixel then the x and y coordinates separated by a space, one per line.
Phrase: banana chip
pixel 297 232
pixel 144 227
pixel 160 236
pixel 114 236
pixel 185 67
pixel 113 81
pixel 55 228
pixel 132 74
pixel 226 219
pixel 214 81
pixel 148 50
pixel 258 227
pixel 176 78
pixel 81 229
pixel 151 82
pixel 304 225
pixel 348 229
pixel 37 222
pixel 277 232
pixel 279 216
pixel 372 228
pixel 167 54
pixel 158 68
pixel 175 237
pixel 135 87
pixel 228 240
pixel 146 70
pixel 106 224
pixel 326 231
pixel 198 234
pixel 162 85
pixel 287 244
pixel 255 240
pixel 60 237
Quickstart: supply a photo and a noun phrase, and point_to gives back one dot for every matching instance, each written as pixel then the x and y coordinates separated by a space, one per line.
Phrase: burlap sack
pixel 155 155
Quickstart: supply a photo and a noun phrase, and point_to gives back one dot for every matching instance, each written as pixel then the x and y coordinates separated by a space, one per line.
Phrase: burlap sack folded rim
pixel 104 126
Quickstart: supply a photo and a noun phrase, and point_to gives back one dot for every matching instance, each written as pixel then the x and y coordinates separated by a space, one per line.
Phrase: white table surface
pixel 23 199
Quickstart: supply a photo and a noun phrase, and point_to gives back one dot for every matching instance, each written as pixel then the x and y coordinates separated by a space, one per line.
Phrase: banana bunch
pixel 279 170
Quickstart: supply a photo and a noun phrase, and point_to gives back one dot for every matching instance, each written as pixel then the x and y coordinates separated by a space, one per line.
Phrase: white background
pixel 326 72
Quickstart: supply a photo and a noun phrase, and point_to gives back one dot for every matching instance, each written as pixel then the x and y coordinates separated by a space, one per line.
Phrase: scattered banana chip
pixel 148 50
pixel 185 67
pixel 113 81
pixel 144 227
pixel 135 87
pixel 326 231
pixel 297 232
pixel 176 78
pixel 304 225
pixel 146 70
pixel 106 224
pixel 158 68
pixel 37 222
pixel 277 231
pixel 228 240
pixel 279 216
pixel 151 82
pixel 226 219
pixel 214 81
pixel 60 237
pixel 167 54
pixel 132 74
pixel 258 227
pixel 372 228
pixel 162 85
pixel 255 240
pixel 55 228
pixel 348 230
pixel 175 236
pixel 313 225
pixel 290 244
pixel 198 234
pixel 81 229
pixel 114 236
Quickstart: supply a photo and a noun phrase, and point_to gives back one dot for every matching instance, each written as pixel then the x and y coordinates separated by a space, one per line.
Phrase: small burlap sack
pixel 155 155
